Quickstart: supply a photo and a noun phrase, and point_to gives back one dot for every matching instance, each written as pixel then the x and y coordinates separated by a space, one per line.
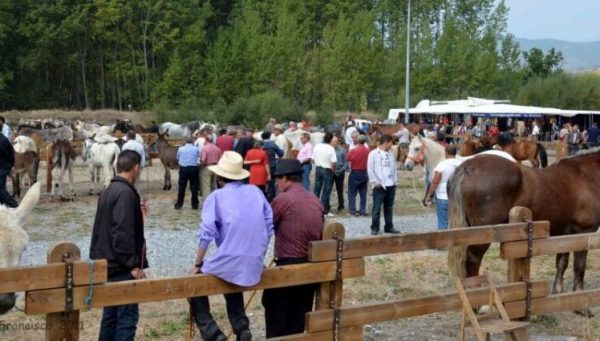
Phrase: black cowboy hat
pixel 287 166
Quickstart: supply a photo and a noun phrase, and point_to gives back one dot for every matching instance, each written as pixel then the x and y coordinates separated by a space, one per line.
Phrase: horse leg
pixel 474 258
pixel 70 170
pixel 167 178
pixel 579 263
pixel 562 262
pixel 92 177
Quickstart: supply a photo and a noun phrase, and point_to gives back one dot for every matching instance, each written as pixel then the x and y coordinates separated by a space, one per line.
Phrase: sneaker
pixel 374 232
pixel 392 231
pixel 330 215
pixel 245 336
pixel 177 207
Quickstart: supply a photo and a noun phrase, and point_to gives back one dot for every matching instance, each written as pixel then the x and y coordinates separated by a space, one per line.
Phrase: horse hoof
pixel 585 313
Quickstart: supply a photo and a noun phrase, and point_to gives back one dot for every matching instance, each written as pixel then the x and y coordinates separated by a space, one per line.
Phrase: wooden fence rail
pixel 330 262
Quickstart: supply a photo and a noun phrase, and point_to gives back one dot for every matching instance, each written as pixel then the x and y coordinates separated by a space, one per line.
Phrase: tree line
pixel 244 60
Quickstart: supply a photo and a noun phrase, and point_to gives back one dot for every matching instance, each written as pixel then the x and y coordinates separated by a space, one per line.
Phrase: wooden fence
pixel 60 288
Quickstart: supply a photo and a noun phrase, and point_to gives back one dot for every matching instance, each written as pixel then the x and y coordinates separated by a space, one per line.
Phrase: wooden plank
pixel 63 326
pixel 323 299
pixel 154 290
pixel 519 269
pixel 324 250
pixel 346 334
pixel 551 246
pixel 568 301
pixel 378 312
pixel 50 276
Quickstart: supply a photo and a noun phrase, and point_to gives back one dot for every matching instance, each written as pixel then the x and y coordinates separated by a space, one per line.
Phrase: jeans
pixel 119 322
pixel 188 174
pixel 235 312
pixel 338 180
pixel 271 191
pixel 323 185
pixel 441 209
pixel 383 197
pixel 5 197
pixel 357 182
pixel 306 169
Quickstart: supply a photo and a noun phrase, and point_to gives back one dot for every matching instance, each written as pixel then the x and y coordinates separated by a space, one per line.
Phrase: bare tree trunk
pixel 144 39
pixel 102 77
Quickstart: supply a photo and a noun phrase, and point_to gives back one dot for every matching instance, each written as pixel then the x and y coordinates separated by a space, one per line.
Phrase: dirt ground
pixel 389 277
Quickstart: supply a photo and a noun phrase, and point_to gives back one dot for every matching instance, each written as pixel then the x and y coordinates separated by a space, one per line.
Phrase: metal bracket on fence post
pixel 332 292
pixel 68 281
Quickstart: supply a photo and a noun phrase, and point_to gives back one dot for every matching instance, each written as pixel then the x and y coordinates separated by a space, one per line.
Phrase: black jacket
pixel 7 153
pixel 118 233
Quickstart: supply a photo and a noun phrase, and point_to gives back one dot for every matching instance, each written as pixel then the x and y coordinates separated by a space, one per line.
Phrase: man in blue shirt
pixel 188 157
pixel 274 153
pixel 592 135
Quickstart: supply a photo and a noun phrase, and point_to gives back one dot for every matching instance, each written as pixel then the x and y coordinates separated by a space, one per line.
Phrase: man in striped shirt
pixel 381 167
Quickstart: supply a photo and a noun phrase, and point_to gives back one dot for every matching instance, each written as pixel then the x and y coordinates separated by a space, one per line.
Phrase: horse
pixel 468 146
pixel 21 144
pixel 179 130
pixel 168 157
pixel 25 163
pixel 100 155
pixel 63 157
pixel 48 135
pixel 122 126
pixel 526 150
pixel 14 238
pixel 425 152
pixel 484 189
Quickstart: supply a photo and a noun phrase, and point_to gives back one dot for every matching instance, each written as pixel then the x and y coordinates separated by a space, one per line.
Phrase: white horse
pixel 21 144
pixel 13 238
pixel 294 138
pixel 424 152
pixel 100 155
pixel 185 129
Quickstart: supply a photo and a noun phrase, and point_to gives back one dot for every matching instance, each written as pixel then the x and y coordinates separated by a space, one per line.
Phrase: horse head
pixel 416 152
pixel 14 238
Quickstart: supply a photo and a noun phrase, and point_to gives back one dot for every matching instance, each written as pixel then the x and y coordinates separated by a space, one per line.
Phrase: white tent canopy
pixel 479 106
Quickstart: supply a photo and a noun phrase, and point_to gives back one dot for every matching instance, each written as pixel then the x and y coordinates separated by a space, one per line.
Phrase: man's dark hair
pixel 505 139
pixel 222 131
pixel 385 138
pixel 130 135
pixel 127 160
pixel 327 138
pixel 451 149
pixel 266 135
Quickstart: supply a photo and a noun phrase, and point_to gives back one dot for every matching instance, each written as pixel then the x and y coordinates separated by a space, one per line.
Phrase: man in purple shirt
pixel 239 220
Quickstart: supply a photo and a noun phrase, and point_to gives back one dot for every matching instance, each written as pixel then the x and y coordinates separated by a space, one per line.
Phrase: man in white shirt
pixel 535 131
pixel 280 140
pixel 350 129
pixel 441 175
pixel 133 144
pixel 403 136
pixel 383 176
pixel 324 158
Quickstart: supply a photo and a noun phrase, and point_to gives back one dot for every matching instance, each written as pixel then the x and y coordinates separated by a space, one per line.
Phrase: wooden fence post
pixel 324 298
pixel 49 169
pixel 519 269
pixel 63 326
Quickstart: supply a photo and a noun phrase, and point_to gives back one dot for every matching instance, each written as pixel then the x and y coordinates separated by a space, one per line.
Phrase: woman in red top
pixel 258 160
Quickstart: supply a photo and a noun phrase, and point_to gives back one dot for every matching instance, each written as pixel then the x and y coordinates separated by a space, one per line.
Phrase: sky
pixel 571 20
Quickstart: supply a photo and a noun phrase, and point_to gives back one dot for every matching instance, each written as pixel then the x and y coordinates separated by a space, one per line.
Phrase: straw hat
pixel 230 167
pixel 278 126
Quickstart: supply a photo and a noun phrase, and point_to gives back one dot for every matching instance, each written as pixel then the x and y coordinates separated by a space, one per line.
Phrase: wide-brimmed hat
pixel 230 166
pixel 278 126
pixel 287 166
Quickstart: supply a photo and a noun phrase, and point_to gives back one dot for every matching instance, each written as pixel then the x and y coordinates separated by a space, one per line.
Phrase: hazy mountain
pixel 577 56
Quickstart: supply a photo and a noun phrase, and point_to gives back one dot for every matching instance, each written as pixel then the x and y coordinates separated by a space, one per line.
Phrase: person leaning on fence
pixel 441 175
pixel 238 218
pixel 118 237
pixel 298 220
pixel 383 176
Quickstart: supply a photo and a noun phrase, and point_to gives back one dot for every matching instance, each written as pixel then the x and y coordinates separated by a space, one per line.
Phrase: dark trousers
pixel 119 322
pixel 323 185
pixel 306 169
pixel 338 180
pixel 385 198
pixel 206 323
pixel 285 308
pixel 5 197
pixel 271 190
pixel 357 182
pixel 188 174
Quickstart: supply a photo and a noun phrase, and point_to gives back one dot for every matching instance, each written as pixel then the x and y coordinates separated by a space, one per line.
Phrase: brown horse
pixel 168 156
pixel 526 150
pixel 484 189
pixel 25 163
pixel 468 146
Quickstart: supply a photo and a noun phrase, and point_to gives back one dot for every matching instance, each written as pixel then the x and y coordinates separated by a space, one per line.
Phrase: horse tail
pixel 29 201
pixel 541 151
pixel 457 254
pixel 35 168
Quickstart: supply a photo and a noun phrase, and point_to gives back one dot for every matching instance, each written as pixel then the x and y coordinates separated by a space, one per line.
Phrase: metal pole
pixel 407 85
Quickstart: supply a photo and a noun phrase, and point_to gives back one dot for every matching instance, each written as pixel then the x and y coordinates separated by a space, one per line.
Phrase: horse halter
pixel 419 159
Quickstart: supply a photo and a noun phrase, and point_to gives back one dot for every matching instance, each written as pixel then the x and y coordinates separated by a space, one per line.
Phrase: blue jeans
pixel 385 198
pixel 323 186
pixel 119 322
pixel 441 209
pixel 357 182
pixel 5 197
pixel 306 169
